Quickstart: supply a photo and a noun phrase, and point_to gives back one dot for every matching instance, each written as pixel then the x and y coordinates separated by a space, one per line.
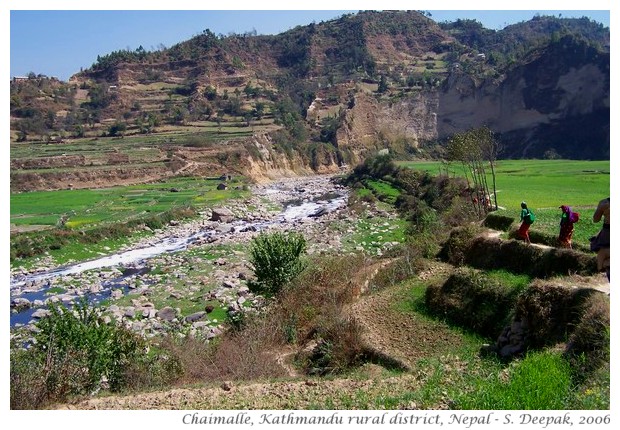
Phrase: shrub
pixel 245 354
pixel 27 383
pixel 74 353
pixel 408 259
pixel 81 337
pixel 550 312
pixel 519 257
pixel 588 346
pixel 456 248
pixel 480 302
pixel 338 348
pixel 497 221
pixel 276 259
pixel 312 311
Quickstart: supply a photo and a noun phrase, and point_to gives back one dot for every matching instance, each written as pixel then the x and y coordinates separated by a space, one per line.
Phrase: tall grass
pixel 542 380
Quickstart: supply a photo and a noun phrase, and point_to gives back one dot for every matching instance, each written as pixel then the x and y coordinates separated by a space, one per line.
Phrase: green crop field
pixel 89 207
pixel 544 185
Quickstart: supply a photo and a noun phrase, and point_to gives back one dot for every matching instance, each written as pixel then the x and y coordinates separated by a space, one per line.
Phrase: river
pixel 300 199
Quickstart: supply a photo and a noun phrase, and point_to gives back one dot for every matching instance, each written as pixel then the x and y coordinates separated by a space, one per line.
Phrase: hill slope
pixel 335 91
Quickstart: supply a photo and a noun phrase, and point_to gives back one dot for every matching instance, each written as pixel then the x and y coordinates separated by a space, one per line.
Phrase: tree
pixel 259 110
pixel 383 86
pixel 117 129
pixel 247 117
pixel 276 259
pixel 474 148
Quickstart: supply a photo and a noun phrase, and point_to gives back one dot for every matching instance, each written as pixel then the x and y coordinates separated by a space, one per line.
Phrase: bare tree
pixel 474 149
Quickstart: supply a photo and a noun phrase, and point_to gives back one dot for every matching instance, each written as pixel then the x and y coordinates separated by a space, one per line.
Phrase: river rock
pixel 222 215
pixel 167 313
pixel 20 303
pixel 130 312
pixel 230 283
pixel 196 316
pixel 41 313
pixel 149 313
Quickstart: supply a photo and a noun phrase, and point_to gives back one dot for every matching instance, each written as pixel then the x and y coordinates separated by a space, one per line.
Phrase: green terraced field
pixel 89 207
pixel 544 185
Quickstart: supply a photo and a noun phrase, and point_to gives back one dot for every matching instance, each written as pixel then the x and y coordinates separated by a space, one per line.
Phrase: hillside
pixel 416 368
pixel 324 95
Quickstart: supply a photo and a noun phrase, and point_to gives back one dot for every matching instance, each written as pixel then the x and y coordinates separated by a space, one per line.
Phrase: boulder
pixel 20 303
pixel 319 212
pixel 40 313
pixel 222 215
pixel 196 316
pixel 167 313
pixel 130 312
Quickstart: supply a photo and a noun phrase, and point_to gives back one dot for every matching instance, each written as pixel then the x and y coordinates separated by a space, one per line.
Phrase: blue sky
pixel 60 42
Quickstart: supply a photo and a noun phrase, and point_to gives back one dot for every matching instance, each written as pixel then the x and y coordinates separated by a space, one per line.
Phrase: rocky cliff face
pixel 534 107
pixel 372 125
pixel 264 163
pixel 555 104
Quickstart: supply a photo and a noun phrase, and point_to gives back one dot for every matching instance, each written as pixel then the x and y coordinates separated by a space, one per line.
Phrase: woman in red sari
pixel 565 239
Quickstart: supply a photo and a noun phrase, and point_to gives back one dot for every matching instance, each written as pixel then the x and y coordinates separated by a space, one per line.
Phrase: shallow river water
pixel 33 288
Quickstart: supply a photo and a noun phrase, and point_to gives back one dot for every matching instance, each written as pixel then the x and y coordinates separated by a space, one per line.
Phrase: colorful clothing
pixel 603 240
pixel 567 227
pixel 524 231
pixel 525 226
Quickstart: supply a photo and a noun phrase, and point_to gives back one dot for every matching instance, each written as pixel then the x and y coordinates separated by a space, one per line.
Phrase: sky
pixel 61 42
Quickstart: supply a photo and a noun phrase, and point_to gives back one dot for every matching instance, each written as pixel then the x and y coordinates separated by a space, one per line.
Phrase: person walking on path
pixel 601 242
pixel 526 221
pixel 567 227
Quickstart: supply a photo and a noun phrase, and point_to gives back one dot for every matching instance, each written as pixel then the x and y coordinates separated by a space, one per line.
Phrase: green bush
pixel 276 259
pixel 102 350
pixel 74 353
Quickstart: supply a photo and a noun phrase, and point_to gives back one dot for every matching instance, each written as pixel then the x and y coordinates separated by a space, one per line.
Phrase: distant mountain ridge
pixel 339 90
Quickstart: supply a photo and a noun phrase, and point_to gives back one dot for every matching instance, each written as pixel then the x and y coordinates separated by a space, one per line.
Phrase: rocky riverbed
pixel 185 277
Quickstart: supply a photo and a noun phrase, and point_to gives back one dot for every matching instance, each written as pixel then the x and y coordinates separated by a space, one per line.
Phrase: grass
pixel 106 211
pixel 372 233
pixel 383 190
pixel 541 380
pixel 545 185
pixel 88 207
